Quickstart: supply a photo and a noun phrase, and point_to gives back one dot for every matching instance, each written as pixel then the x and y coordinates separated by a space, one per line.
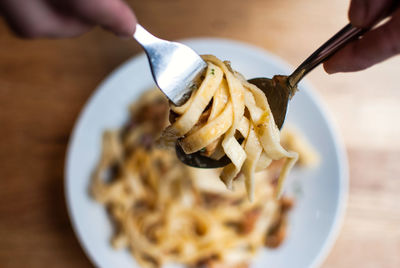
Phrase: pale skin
pixel 68 18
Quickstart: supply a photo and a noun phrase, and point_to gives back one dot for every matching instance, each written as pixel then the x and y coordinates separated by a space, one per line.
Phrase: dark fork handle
pixel 330 47
pixel 345 35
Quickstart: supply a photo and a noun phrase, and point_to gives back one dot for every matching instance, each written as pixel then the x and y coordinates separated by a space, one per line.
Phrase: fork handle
pixel 143 37
pixel 345 35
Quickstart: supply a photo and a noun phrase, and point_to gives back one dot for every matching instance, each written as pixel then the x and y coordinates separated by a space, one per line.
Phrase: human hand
pixel 376 45
pixel 67 18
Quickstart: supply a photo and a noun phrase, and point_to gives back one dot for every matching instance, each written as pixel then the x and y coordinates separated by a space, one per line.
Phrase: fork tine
pixel 174 66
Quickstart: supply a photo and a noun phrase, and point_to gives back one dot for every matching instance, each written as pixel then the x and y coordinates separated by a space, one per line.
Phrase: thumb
pixel 362 13
pixel 375 46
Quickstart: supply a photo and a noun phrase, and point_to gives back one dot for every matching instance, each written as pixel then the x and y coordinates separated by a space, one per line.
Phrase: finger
pixel 35 19
pixel 375 46
pixel 114 15
pixel 363 13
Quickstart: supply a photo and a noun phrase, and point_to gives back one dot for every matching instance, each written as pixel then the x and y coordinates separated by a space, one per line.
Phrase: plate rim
pixel 333 128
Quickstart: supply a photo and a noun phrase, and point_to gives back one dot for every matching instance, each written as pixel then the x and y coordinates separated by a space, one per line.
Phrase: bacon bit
pixel 199 229
pixel 205 262
pixel 237 226
pixel 238 201
pixel 113 172
pixel 174 251
pixel 222 265
pixel 150 232
pixel 250 218
pixel 286 204
pixel 154 112
pixel 212 199
pixel 276 234
pixel 214 262
pixel 130 126
pixel 151 259
pixel 141 205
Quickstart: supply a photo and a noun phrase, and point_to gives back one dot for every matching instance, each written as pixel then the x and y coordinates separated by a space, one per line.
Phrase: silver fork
pixel 174 66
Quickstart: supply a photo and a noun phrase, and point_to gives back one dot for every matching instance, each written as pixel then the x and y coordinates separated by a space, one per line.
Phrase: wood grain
pixel 45 83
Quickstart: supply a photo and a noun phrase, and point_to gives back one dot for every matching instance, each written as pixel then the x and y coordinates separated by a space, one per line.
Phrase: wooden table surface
pixel 45 83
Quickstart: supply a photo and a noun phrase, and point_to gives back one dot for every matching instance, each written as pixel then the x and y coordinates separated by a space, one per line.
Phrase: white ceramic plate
pixel 314 221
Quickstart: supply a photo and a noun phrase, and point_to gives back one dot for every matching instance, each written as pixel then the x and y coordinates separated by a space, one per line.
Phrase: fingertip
pixel 126 25
pixel 124 32
pixel 329 69
pixel 345 60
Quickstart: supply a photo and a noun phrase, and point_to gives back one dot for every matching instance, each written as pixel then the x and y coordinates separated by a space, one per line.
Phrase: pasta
pixel 224 110
pixel 164 211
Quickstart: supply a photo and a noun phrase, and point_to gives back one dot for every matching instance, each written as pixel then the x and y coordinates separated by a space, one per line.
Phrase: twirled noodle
pixel 238 123
pixel 167 212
